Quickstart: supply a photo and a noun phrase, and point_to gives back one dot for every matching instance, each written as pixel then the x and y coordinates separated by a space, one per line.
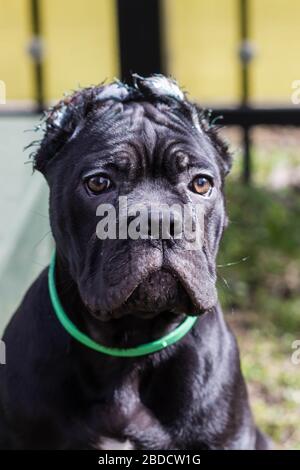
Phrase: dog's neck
pixel 125 332
pixel 104 372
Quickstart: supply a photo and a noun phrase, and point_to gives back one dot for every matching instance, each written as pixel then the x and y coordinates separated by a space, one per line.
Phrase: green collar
pixel 140 350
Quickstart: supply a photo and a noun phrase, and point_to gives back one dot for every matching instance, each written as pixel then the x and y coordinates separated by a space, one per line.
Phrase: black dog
pixel 149 143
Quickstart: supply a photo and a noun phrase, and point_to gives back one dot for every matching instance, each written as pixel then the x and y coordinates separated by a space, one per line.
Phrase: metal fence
pixel 141 50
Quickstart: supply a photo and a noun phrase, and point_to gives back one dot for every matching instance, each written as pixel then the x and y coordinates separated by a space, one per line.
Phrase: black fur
pixel 56 393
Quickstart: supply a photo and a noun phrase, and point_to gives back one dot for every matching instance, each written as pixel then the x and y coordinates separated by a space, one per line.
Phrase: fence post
pixel 246 55
pixel 139 37
pixel 36 52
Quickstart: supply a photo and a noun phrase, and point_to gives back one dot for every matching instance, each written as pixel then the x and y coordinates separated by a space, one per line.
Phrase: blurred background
pixel 238 58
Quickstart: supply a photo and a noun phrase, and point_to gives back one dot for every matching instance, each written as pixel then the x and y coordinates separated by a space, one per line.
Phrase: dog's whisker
pixel 233 263
pixel 43 238
pixel 40 264
pixel 225 282
pixel 39 214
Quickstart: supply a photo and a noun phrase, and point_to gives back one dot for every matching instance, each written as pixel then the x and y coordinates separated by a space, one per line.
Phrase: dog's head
pixel 144 145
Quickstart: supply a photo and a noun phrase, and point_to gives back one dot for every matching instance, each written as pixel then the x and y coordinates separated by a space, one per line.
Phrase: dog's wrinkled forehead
pixel 157 98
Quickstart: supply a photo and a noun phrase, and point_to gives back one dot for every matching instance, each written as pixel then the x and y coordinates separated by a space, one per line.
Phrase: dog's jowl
pixel 121 343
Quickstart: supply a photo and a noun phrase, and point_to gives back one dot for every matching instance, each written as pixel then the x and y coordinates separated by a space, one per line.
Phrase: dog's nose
pixel 164 224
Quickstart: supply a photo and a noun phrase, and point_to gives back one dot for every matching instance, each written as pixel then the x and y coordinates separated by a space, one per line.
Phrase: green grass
pixel 263 239
pixel 260 291
pixel 273 381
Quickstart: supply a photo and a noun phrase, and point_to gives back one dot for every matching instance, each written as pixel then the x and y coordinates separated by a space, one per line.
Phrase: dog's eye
pixel 97 184
pixel 202 185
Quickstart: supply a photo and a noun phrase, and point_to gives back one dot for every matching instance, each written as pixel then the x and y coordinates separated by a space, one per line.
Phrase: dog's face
pixel 147 145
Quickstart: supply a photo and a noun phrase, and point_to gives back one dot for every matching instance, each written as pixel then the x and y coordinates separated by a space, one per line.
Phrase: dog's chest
pixel 108 443
pixel 128 423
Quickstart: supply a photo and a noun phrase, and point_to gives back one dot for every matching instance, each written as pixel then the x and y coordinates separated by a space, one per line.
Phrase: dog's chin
pixel 159 293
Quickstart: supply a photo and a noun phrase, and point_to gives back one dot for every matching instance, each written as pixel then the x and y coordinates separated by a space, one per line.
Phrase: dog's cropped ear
pixel 60 124
pixel 223 153
pixel 63 121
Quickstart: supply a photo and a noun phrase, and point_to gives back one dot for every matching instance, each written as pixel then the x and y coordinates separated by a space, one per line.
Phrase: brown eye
pixel 202 185
pixel 97 184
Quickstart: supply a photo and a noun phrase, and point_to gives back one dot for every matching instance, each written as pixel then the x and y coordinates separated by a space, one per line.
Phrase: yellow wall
pixel 201 43
pixel 80 40
pixel 201 39
pixel 276 32
pixel 15 68
pixel 81 43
